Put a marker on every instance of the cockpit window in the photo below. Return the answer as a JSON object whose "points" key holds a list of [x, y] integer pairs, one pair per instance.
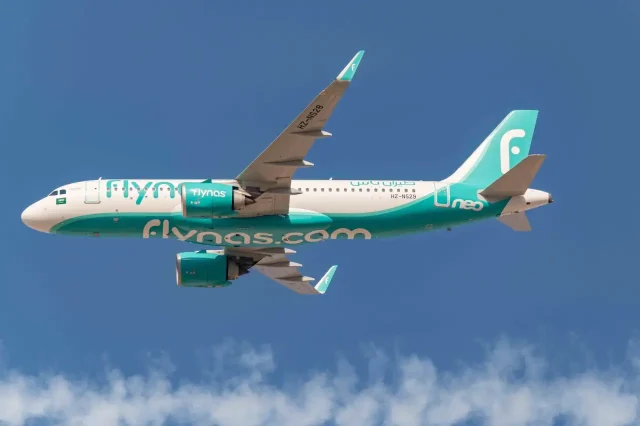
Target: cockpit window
{"points": [[58, 191]]}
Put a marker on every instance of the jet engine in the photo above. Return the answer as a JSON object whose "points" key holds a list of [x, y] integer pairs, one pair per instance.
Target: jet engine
{"points": [[207, 200], [207, 269]]}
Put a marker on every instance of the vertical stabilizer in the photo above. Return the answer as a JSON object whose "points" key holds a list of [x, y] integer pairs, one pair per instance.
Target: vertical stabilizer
{"points": [[504, 148]]}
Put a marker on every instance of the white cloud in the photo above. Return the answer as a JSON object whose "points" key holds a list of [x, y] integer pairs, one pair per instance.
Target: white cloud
{"points": [[511, 387]]}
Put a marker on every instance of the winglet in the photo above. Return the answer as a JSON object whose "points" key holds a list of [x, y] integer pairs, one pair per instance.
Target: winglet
{"points": [[350, 70], [323, 285]]}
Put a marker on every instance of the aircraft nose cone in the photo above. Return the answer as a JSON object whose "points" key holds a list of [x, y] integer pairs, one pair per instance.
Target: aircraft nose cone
{"points": [[35, 219], [550, 198], [28, 217]]}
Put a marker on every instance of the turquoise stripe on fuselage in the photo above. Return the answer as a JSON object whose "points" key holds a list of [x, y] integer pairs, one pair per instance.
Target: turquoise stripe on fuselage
{"points": [[294, 229]]}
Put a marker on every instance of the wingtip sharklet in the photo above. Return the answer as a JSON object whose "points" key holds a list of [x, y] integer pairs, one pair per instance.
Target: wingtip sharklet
{"points": [[350, 70], [323, 285]]}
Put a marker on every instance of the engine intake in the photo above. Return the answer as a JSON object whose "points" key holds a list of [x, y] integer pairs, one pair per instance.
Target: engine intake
{"points": [[206, 269], [207, 200]]}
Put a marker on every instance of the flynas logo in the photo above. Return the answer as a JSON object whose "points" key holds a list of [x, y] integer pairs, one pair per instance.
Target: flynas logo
{"points": [[467, 204], [506, 149], [208, 193], [140, 190], [154, 226]]}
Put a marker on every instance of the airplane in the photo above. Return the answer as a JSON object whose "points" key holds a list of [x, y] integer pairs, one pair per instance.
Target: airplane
{"points": [[255, 220]]}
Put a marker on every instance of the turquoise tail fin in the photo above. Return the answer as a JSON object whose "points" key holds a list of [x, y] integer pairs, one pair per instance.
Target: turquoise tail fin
{"points": [[505, 147]]}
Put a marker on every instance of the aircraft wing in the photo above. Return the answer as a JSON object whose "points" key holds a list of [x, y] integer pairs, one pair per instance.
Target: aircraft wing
{"points": [[274, 263], [268, 177]]}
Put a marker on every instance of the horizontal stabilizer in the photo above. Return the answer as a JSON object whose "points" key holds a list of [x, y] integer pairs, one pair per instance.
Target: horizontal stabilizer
{"points": [[517, 180], [516, 221]]}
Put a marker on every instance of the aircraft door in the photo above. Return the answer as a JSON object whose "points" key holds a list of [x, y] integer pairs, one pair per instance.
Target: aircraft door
{"points": [[92, 191], [441, 194]]}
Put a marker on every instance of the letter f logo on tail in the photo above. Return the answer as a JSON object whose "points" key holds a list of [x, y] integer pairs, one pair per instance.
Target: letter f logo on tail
{"points": [[505, 152], [503, 149]]}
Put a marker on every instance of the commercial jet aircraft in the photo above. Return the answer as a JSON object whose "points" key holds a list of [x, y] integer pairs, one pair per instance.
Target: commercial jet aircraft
{"points": [[256, 218]]}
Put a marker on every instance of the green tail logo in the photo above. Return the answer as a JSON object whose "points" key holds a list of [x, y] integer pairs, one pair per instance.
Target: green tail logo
{"points": [[505, 147]]}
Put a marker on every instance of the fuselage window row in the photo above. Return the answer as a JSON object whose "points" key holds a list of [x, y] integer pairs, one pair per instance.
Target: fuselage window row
{"points": [[353, 190], [115, 188]]}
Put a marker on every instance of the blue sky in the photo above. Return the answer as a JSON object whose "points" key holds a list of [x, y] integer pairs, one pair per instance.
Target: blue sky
{"points": [[198, 89]]}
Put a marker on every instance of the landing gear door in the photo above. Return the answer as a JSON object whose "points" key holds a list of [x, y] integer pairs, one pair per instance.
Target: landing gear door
{"points": [[92, 191], [441, 194]]}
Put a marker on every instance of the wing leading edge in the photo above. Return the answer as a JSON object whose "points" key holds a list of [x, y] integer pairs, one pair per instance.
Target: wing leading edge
{"points": [[268, 177]]}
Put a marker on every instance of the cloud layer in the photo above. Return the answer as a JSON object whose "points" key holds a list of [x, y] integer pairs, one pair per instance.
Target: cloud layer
{"points": [[512, 386]]}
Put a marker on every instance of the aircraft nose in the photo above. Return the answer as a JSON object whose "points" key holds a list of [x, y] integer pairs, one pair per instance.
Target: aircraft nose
{"points": [[28, 217], [35, 219]]}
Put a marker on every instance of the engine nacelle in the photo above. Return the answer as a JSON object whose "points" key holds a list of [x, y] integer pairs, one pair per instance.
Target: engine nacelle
{"points": [[204, 269], [206, 200]]}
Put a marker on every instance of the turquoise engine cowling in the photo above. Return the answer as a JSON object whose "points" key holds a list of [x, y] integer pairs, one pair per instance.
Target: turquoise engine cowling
{"points": [[205, 269], [207, 200]]}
